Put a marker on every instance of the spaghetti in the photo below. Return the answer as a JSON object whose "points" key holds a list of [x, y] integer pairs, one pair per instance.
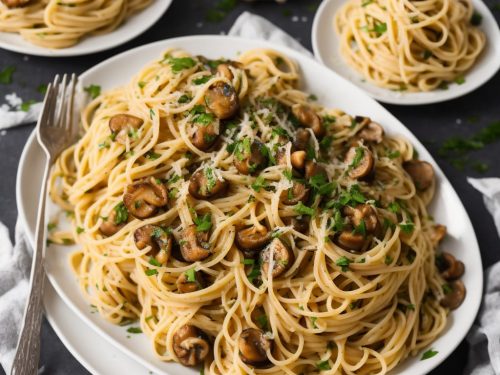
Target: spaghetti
{"points": [[62, 24], [409, 45], [250, 229]]}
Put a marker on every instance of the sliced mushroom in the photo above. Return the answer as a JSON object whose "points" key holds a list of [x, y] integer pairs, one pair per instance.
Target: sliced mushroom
{"points": [[202, 186], [15, 3], [123, 125], [156, 237], [222, 100], [450, 267], [253, 345], [194, 245], [143, 198], [109, 226], [205, 136], [252, 238], [350, 240], [438, 233], [454, 298], [362, 212], [297, 193], [252, 160], [373, 132], [298, 159], [279, 255], [314, 169], [280, 157], [225, 71], [184, 285], [302, 138], [191, 345], [308, 118], [360, 162], [299, 223], [420, 172]]}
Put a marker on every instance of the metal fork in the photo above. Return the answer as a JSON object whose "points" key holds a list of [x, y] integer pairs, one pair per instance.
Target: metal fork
{"points": [[57, 129]]}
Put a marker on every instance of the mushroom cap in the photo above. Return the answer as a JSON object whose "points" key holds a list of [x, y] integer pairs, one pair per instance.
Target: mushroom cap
{"points": [[308, 118], [314, 169], [302, 138], [205, 136], [281, 256], [122, 124], [143, 198], [298, 159], [185, 286], [191, 345], [109, 227], [438, 233], [222, 100], [159, 240], [349, 240], [372, 132], [362, 212], [194, 246], [455, 297], [421, 172], [253, 162], [253, 345], [297, 193], [299, 223], [252, 238], [200, 188], [365, 165], [450, 267]]}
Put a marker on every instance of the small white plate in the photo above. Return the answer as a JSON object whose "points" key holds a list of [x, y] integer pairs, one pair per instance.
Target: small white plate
{"points": [[131, 27], [84, 343], [446, 206], [326, 49]]}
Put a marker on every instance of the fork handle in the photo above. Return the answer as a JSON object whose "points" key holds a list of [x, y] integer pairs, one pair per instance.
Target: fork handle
{"points": [[28, 346]]}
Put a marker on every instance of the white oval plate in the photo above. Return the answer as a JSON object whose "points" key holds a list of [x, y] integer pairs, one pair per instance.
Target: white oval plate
{"points": [[132, 27], [446, 207], [326, 49], [85, 344]]}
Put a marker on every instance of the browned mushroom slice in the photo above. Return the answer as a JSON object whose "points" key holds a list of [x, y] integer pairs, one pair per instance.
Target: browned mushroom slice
{"points": [[123, 126], [203, 184], [222, 100], [373, 132], [299, 223], [438, 233], [365, 213], [420, 172], [308, 118], [143, 198], [249, 160], [298, 159], [350, 240], [454, 296], [280, 157], [15, 3], [314, 169], [360, 162], [191, 345], [194, 245], [205, 134], [297, 193], [110, 226], [279, 255], [190, 281], [302, 137], [225, 71], [252, 238], [253, 345], [156, 237], [450, 267]]}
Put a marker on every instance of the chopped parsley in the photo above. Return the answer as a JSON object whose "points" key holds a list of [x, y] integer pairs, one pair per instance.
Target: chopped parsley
{"points": [[407, 227], [343, 263], [203, 223], [323, 365], [178, 64], [42, 88], [121, 213], [447, 289], [359, 153], [80, 230], [248, 262], [259, 183], [93, 90], [151, 272], [476, 19], [262, 322], [184, 99], [326, 142], [314, 319], [25, 107], [388, 259], [190, 275], [460, 80], [429, 354], [134, 330], [6, 75], [154, 262], [202, 80], [302, 209]]}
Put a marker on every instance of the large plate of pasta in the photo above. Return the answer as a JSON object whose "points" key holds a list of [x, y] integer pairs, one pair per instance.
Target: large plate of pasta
{"points": [[222, 209], [74, 27]]}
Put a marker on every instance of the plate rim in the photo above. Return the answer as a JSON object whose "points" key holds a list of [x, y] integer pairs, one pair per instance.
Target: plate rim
{"points": [[34, 50], [409, 99], [295, 55]]}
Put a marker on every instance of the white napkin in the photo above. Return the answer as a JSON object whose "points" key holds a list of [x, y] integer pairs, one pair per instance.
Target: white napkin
{"points": [[11, 114], [15, 262], [484, 340]]}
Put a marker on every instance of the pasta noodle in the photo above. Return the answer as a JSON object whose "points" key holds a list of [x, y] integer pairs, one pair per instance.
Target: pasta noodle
{"points": [[261, 248], [62, 24], [409, 45]]}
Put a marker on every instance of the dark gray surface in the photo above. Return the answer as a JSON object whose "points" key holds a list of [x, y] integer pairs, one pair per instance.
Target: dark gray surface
{"points": [[431, 124]]}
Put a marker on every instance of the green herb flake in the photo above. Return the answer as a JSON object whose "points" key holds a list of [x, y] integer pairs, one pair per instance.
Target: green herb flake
{"points": [[203, 223], [460, 80], [429, 354], [202, 80], [302, 209], [121, 213], [323, 365], [343, 263], [407, 227], [51, 226], [151, 272], [154, 262], [6, 75], [25, 107], [190, 275], [259, 183], [184, 99], [447, 289], [134, 330], [42, 88], [93, 90], [80, 230], [476, 19], [178, 64]]}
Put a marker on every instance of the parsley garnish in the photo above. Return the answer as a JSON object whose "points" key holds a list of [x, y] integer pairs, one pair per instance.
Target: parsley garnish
{"points": [[476, 19], [25, 107], [184, 99], [323, 365], [80, 230], [406, 227], [302, 209], [151, 272], [259, 183], [154, 262], [6, 75], [429, 354], [343, 263], [180, 63], [203, 223], [121, 215], [93, 90], [262, 322], [190, 275], [202, 80], [134, 330]]}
